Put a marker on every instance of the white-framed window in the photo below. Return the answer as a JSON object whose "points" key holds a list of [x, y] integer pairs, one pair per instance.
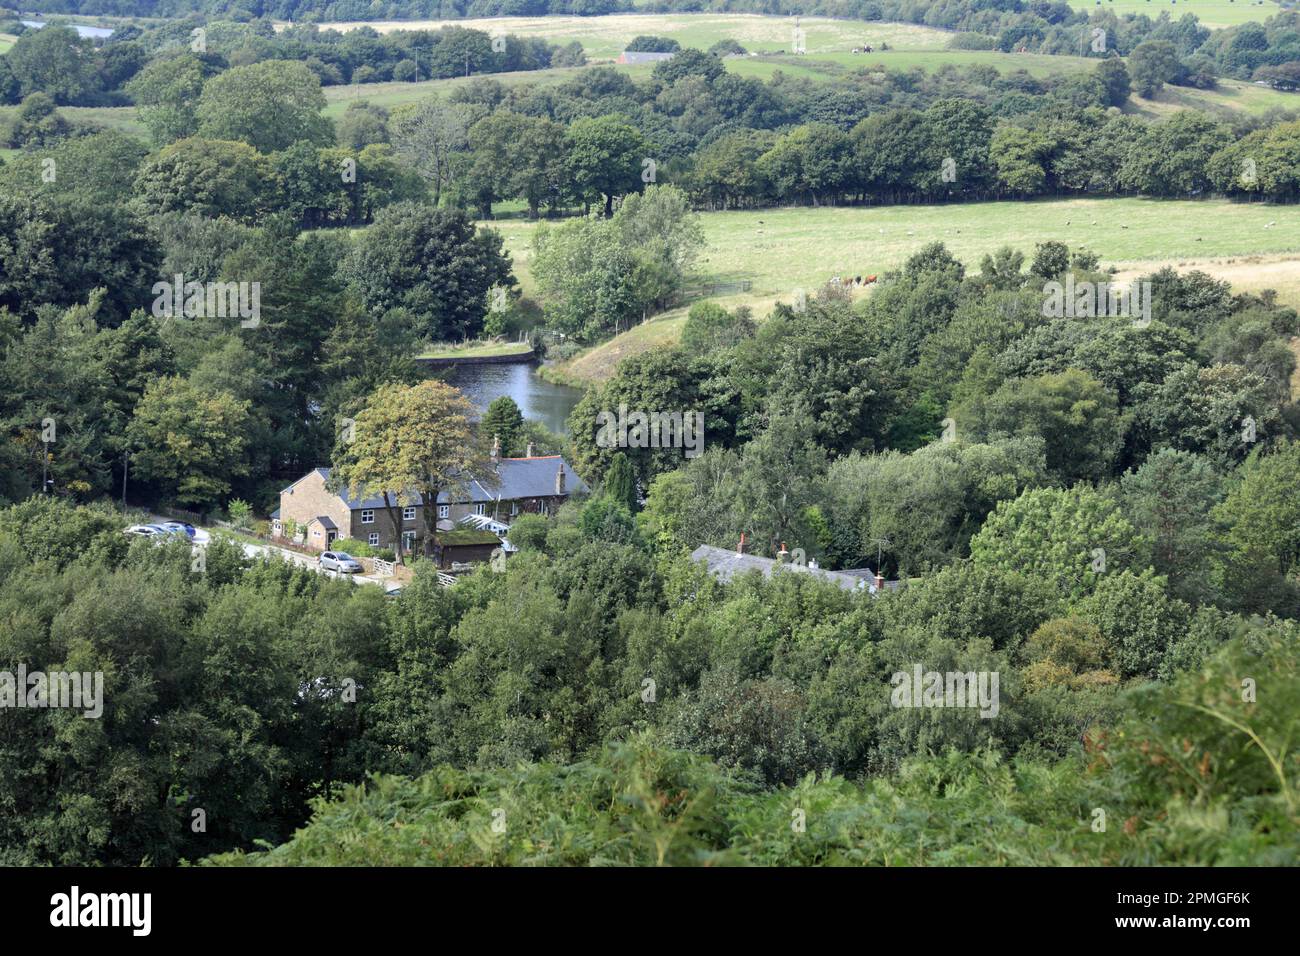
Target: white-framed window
{"points": [[514, 508], [367, 515], [408, 540], [480, 509], [373, 539], [444, 511], [408, 514]]}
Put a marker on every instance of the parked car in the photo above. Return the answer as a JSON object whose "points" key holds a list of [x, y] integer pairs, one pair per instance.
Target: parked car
{"points": [[155, 531], [339, 561], [179, 526]]}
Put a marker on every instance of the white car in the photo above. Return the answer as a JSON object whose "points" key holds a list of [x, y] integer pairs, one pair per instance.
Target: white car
{"points": [[339, 561]]}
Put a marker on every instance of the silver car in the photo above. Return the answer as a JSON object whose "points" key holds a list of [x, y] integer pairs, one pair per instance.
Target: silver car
{"points": [[339, 561]]}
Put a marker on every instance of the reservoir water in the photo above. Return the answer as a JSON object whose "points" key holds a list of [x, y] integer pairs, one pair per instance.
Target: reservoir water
{"points": [[98, 33], [539, 400]]}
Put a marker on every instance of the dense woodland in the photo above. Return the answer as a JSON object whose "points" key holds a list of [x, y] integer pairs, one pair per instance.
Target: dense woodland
{"points": [[1121, 682], [1103, 510]]}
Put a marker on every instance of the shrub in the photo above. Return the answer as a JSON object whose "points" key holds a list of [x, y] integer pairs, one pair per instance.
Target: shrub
{"points": [[240, 512]]}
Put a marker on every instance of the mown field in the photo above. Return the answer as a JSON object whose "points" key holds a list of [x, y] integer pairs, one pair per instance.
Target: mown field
{"points": [[781, 250], [1211, 13], [6, 41]]}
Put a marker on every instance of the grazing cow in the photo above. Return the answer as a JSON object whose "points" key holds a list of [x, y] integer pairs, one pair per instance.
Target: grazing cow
{"points": [[870, 279]]}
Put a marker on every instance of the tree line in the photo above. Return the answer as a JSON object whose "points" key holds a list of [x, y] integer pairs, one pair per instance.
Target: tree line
{"points": [[135, 64]]}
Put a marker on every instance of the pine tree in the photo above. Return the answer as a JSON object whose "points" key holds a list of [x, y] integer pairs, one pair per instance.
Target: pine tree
{"points": [[620, 484], [503, 420]]}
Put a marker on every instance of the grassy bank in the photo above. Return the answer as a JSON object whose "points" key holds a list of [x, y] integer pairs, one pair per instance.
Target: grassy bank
{"points": [[476, 350]]}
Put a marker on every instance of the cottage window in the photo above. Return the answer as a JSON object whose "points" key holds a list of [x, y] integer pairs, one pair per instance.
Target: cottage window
{"points": [[367, 516], [480, 509], [408, 514], [444, 511], [373, 539], [408, 540]]}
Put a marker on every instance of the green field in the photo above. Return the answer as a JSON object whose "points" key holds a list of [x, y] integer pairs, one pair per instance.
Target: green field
{"points": [[1211, 13], [606, 37], [6, 41], [395, 94], [782, 250], [1229, 96], [829, 57], [121, 118]]}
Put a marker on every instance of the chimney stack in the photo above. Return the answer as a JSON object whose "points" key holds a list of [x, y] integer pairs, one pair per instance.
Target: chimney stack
{"points": [[559, 480], [532, 451], [496, 449], [783, 555], [880, 581], [740, 548]]}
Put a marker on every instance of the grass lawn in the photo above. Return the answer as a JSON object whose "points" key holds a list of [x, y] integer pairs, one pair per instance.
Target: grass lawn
{"points": [[1211, 13], [476, 350], [782, 250], [6, 41]]}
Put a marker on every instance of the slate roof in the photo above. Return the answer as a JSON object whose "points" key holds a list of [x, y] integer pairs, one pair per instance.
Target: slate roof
{"points": [[726, 565], [518, 478], [326, 522]]}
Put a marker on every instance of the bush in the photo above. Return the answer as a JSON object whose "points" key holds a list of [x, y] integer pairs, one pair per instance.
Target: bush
{"points": [[528, 532], [358, 549], [648, 44], [727, 47], [240, 512]]}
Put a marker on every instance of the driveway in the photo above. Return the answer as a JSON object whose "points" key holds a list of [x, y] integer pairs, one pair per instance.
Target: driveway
{"points": [[203, 537], [307, 561]]}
